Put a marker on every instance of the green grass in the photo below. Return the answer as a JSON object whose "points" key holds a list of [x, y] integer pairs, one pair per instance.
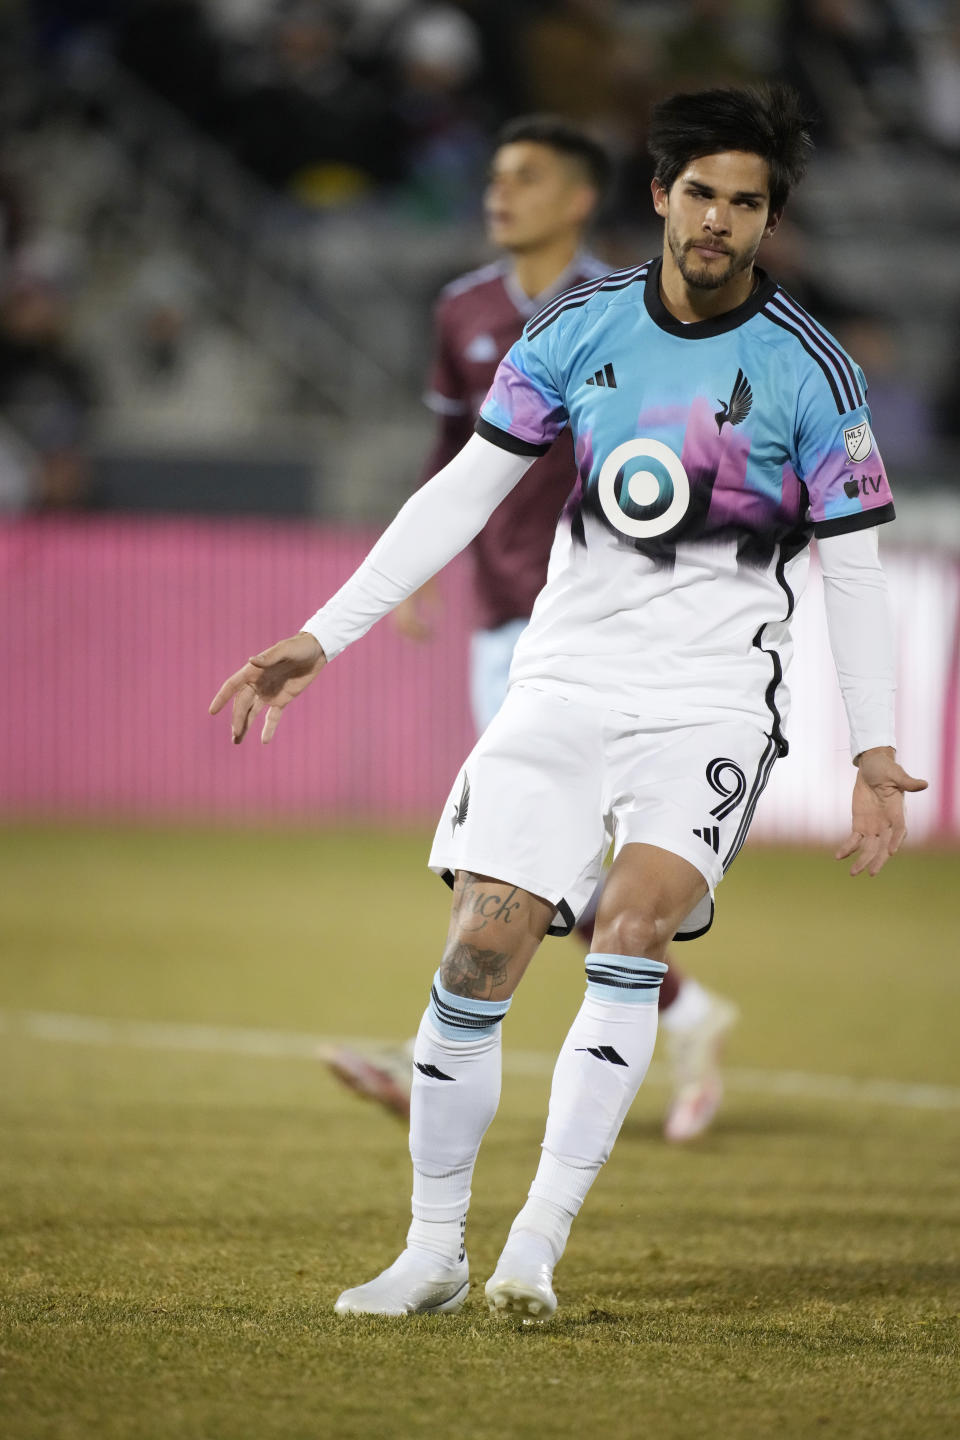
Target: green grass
{"points": [[174, 1227]]}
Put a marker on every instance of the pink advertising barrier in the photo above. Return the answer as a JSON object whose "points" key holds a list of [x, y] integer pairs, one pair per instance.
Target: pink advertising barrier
{"points": [[118, 631]]}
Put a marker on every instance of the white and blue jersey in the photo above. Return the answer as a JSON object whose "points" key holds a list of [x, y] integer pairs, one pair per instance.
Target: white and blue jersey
{"points": [[708, 454]]}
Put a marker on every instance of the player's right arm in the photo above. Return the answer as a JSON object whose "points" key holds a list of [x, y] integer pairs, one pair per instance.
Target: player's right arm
{"points": [[414, 616], [435, 524], [519, 421], [448, 398], [269, 681]]}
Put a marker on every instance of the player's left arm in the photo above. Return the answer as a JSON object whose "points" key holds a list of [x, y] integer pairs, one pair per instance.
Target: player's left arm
{"points": [[839, 462], [861, 638]]}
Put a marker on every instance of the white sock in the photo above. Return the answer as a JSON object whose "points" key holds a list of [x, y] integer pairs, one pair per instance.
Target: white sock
{"points": [[599, 1070], [692, 1005], [453, 1098], [542, 1227]]}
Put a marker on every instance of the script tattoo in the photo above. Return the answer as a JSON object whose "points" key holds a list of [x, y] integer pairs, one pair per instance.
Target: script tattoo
{"points": [[479, 906]]}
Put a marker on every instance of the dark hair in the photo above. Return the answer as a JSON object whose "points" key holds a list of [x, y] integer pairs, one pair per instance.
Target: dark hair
{"points": [[764, 120], [564, 137]]}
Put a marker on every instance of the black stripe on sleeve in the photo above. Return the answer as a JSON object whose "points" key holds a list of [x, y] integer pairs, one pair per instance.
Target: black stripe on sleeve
{"points": [[575, 299], [559, 302], [789, 306], [860, 520], [506, 441], [842, 409]]}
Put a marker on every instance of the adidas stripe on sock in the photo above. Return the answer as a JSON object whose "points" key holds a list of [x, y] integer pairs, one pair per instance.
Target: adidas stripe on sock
{"points": [[599, 1070]]}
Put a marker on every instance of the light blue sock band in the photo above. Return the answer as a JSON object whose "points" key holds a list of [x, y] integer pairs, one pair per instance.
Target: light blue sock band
{"points": [[458, 1017], [625, 978]]}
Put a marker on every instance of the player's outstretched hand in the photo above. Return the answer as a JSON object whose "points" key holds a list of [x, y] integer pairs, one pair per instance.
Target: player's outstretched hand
{"points": [[269, 681], [878, 828]]}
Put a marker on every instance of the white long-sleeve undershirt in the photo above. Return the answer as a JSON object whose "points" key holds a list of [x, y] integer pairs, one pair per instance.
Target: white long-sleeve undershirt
{"points": [[443, 516], [860, 627], [436, 523]]}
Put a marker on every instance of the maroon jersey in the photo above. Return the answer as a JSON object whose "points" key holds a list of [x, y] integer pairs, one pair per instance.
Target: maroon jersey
{"points": [[477, 319]]}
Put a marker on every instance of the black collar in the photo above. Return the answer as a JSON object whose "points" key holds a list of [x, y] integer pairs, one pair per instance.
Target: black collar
{"points": [[703, 329]]}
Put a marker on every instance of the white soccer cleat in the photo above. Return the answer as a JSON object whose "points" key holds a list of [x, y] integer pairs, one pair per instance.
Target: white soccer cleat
{"points": [[694, 1057], [417, 1283], [522, 1283]]}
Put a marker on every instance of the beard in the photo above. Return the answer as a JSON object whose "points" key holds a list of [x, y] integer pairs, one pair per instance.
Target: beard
{"points": [[697, 275]]}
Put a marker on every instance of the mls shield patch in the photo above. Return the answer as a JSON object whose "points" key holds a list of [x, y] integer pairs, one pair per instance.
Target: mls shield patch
{"points": [[859, 441]]}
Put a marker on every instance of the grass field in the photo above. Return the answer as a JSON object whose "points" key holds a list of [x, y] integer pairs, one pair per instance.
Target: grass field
{"points": [[176, 1222]]}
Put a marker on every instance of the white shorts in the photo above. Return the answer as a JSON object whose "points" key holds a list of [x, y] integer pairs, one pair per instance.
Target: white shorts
{"points": [[551, 783]]}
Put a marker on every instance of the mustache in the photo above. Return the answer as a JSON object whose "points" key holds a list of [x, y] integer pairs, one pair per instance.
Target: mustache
{"points": [[704, 245]]}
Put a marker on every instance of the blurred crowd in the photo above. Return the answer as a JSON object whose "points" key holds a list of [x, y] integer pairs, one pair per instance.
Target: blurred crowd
{"points": [[331, 97], [385, 109]]}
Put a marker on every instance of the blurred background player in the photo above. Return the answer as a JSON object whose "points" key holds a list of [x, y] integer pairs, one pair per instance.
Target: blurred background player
{"points": [[546, 182]]}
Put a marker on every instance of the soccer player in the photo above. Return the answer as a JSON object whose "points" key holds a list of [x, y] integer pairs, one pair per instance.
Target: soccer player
{"points": [[547, 177], [648, 695]]}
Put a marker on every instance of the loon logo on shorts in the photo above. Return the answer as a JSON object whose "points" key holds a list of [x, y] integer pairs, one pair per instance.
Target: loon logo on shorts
{"points": [[463, 804]]}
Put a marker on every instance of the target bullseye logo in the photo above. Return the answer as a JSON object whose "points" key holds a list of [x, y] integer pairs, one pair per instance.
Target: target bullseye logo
{"points": [[665, 498]]}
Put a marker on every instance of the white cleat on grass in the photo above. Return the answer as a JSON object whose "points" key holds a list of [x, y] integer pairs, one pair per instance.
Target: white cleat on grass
{"points": [[694, 1056], [522, 1283], [417, 1283]]}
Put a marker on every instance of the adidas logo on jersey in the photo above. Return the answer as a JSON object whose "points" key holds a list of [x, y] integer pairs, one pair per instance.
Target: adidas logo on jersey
{"points": [[604, 378]]}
